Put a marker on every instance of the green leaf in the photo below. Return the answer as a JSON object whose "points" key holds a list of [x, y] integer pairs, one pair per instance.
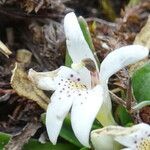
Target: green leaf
{"points": [[107, 8], [67, 133], [68, 60], [132, 3], [141, 83], [4, 138], [123, 116], [86, 33], [35, 145]]}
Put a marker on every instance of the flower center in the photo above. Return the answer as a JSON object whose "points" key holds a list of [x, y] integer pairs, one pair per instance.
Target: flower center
{"points": [[76, 85], [144, 144]]}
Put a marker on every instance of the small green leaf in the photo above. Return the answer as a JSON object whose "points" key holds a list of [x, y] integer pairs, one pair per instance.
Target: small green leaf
{"points": [[86, 33], [67, 133], [133, 3], [35, 145], [68, 60], [141, 83], [107, 8], [4, 138], [123, 116]]}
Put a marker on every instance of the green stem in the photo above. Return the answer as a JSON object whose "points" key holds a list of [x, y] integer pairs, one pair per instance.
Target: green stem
{"points": [[106, 119], [141, 105]]}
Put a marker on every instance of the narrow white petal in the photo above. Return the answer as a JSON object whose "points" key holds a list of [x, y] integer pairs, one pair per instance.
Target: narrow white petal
{"points": [[76, 44], [49, 80], [56, 113], [43, 80], [84, 110], [121, 58]]}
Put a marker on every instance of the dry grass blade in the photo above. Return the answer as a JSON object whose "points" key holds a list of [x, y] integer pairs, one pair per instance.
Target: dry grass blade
{"points": [[4, 49]]}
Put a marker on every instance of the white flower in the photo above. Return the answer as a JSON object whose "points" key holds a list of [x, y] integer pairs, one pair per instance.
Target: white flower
{"points": [[69, 93], [73, 89], [136, 137]]}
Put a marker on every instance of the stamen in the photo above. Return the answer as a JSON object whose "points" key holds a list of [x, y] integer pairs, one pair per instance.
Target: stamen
{"points": [[89, 64], [144, 144]]}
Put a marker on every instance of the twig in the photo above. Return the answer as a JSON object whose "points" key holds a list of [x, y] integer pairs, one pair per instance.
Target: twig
{"points": [[117, 99], [4, 97], [129, 96], [8, 91], [101, 21], [21, 15], [17, 141]]}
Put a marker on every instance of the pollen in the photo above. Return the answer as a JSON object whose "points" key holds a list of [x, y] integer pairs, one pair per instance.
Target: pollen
{"points": [[144, 144], [77, 85]]}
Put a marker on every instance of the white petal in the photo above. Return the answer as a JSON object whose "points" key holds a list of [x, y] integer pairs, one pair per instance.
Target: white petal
{"points": [[121, 58], [84, 111], [103, 139], [50, 80], [76, 44], [133, 135], [43, 80], [56, 113], [127, 136]]}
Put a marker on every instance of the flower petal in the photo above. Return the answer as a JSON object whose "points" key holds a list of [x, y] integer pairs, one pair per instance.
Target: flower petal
{"points": [[76, 44], [102, 139], [61, 102], [134, 135], [121, 58], [101, 142], [56, 113], [131, 137], [50, 80], [84, 110]]}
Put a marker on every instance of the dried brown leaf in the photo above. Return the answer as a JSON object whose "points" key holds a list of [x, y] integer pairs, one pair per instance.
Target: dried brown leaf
{"points": [[142, 38], [24, 87]]}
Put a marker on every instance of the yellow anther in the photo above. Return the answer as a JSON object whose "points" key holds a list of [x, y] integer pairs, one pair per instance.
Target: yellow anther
{"points": [[77, 85], [144, 144]]}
